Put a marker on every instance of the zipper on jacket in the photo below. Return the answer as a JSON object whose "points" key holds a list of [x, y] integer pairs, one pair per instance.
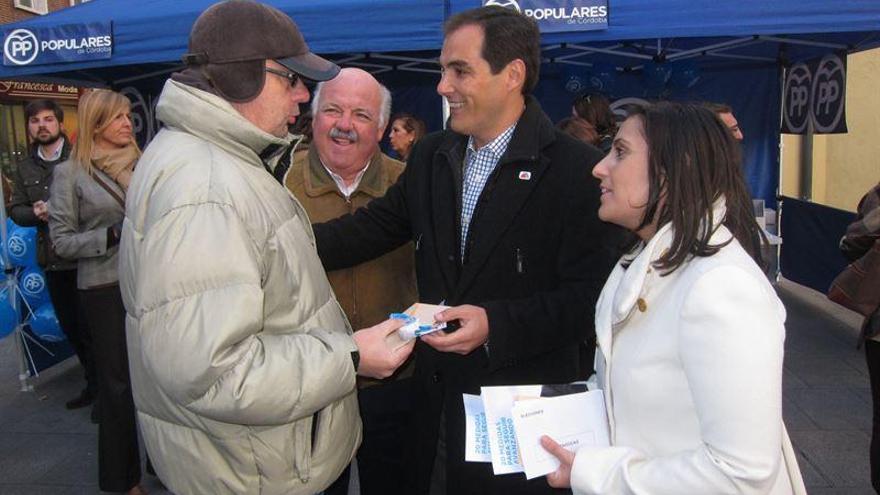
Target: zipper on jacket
{"points": [[302, 457], [315, 418], [519, 262], [418, 242]]}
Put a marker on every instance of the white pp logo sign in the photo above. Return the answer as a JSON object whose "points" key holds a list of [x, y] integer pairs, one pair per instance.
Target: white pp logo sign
{"points": [[38, 45], [815, 92], [33, 284], [559, 16], [798, 84], [21, 47], [829, 94], [511, 4], [17, 246]]}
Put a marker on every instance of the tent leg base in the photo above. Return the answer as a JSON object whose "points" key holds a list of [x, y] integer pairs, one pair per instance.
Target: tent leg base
{"points": [[25, 385]]}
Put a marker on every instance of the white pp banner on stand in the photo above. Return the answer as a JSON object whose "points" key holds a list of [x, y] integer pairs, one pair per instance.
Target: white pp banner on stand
{"points": [[560, 16]]}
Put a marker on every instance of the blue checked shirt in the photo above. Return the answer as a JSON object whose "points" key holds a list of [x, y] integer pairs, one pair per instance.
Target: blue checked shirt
{"points": [[478, 166]]}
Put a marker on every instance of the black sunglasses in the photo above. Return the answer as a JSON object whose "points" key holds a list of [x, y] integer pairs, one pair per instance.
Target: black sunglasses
{"points": [[291, 77]]}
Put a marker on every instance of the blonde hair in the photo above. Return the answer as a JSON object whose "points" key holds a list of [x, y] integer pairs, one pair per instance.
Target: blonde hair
{"points": [[97, 109]]}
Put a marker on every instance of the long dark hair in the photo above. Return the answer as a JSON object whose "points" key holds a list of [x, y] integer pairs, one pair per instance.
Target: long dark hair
{"points": [[693, 162], [579, 128], [596, 109]]}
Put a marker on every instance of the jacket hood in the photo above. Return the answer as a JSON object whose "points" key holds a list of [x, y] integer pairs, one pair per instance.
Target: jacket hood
{"points": [[213, 119]]}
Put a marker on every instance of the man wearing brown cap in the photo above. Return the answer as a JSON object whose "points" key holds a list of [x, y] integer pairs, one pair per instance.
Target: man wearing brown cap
{"points": [[243, 364]]}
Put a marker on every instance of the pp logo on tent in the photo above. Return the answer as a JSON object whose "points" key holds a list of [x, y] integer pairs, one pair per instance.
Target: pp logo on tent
{"points": [[510, 4], [21, 47], [815, 92], [797, 98], [829, 94]]}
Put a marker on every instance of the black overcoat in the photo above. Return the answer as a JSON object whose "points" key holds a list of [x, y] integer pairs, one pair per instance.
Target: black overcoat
{"points": [[536, 259]]}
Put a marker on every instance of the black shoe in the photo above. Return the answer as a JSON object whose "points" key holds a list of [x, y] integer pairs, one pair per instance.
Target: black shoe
{"points": [[85, 399]]}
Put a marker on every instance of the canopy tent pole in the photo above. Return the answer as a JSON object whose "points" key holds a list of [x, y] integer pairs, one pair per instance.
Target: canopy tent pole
{"points": [[607, 51], [797, 41]]}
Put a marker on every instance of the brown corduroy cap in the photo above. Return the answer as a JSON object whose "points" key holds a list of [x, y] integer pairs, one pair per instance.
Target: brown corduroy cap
{"points": [[231, 40]]}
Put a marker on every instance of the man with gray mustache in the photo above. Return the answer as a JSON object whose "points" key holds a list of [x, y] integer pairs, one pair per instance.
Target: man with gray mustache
{"points": [[342, 170]]}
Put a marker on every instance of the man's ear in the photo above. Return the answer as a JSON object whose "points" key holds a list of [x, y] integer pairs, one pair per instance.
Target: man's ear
{"points": [[381, 132], [516, 75]]}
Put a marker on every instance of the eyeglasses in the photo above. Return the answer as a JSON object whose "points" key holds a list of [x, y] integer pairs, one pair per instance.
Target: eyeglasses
{"points": [[291, 77]]}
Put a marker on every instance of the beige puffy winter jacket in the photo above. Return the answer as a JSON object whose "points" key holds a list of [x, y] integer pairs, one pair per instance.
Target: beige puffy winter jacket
{"points": [[240, 355]]}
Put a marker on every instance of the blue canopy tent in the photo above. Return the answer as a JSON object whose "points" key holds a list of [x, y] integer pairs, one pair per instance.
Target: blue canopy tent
{"points": [[150, 32], [734, 45], [733, 52]]}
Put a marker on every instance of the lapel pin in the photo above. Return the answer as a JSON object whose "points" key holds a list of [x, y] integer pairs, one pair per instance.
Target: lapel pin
{"points": [[525, 175]]}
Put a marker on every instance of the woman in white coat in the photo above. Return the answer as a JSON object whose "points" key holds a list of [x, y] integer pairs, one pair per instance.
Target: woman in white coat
{"points": [[690, 332]]}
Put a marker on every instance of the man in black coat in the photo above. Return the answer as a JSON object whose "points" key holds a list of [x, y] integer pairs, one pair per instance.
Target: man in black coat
{"points": [[29, 207], [503, 213]]}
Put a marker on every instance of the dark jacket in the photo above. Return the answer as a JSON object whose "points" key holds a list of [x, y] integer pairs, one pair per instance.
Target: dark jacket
{"points": [[536, 259], [860, 237], [32, 180]]}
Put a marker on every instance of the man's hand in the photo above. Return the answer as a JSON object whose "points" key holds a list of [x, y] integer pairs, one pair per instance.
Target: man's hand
{"points": [[473, 333], [561, 478], [378, 359], [41, 210]]}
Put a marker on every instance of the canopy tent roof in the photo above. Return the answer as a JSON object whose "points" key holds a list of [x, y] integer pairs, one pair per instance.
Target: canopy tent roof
{"points": [[149, 32], [405, 34]]}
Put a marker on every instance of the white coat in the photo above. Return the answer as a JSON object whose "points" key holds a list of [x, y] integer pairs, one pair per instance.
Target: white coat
{"points": [[691, 367]]}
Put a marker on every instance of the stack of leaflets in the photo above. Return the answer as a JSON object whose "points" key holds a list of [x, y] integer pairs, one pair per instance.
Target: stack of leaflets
{"points": [[504, 425]]}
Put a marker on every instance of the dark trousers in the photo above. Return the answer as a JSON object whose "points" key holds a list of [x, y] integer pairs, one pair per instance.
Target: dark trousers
{"points": [[872, 356], [119, 464], [65, 299], [386, 412]]}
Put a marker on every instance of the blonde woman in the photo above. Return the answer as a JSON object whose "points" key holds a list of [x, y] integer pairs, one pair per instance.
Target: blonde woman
{"points": [[88, 203]]}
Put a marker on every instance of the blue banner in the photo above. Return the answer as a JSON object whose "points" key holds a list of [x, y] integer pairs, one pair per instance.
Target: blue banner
{"points": [[49, 45], [560, 16], [810, 251]]}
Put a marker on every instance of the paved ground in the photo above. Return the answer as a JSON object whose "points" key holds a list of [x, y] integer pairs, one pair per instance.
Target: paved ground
{"points": [[45, 449]]}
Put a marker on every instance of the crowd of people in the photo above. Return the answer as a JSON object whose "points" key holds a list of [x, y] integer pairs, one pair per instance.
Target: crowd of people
{"points": [[228, 289]]}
